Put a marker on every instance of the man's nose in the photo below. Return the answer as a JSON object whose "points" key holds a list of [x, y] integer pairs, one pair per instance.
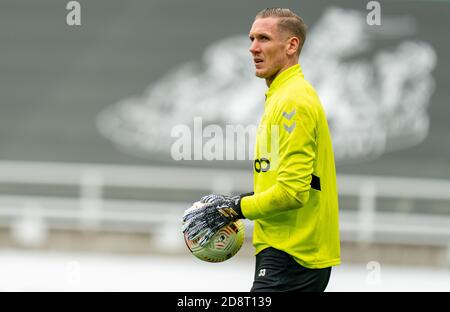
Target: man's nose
{"points": [[254, 47]]}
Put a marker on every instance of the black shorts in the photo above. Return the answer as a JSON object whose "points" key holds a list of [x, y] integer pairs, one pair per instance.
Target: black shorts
{"points": [[276, 270]]}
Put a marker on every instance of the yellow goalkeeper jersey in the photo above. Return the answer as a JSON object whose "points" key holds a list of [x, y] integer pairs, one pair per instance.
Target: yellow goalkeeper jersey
{"points": [[295, 205]]}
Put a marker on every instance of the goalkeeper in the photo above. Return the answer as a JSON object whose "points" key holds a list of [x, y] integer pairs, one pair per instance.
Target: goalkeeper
{"points": [[295, 203]]}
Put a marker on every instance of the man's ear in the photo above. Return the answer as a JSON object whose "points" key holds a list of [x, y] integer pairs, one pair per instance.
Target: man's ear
{"points": [[293, 45]]}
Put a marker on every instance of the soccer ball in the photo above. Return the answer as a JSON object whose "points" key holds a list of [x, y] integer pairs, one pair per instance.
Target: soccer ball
{"points": [[222, 246]]}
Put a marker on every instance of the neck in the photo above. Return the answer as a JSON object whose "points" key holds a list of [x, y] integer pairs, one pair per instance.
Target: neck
{"points": [[290, 63]]}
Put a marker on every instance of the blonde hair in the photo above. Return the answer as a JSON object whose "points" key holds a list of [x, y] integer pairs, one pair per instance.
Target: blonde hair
{"points": [[288, 22]]}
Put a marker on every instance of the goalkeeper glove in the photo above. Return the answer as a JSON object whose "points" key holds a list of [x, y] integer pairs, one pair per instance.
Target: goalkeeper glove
{"points": [[210, 214]]}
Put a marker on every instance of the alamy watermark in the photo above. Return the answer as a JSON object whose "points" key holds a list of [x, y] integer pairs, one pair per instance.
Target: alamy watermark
{"points": [[73, 18], [374, 275], [73, 273], [215, 142], [374, 16]]}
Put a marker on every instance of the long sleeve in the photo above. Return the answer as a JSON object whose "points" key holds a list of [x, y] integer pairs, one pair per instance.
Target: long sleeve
{"points": [[293, 163]]}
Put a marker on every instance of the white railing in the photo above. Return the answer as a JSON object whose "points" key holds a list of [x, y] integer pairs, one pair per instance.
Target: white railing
{"points": [[92, 211]]}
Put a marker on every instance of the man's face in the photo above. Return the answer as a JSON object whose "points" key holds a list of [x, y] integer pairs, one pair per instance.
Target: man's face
{"points": [[268, 47]]}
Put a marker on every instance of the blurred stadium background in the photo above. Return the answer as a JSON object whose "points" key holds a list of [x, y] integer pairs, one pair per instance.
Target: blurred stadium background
{"points": [[90, 198]]}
